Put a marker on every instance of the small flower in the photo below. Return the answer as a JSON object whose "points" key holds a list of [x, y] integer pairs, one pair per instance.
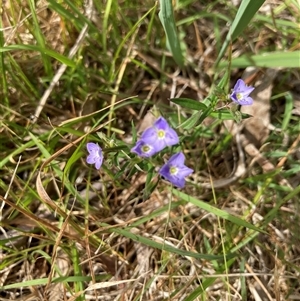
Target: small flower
{"points": [[240, 93], [160, 135], [95, 154], [144, 149], [155, 138], [175, 171]]}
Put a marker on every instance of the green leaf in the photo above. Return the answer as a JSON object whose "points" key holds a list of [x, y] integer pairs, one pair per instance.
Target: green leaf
{"points": [[43, 281], [118, 148], [166, 16], [206, 113], [129, 34], [76, 155], [192, 121], [267, 60], [189, 103], [196, 119], [216, 211], [46, 51], [246, 11], [165, 246], [289, 104], [40, 38], [224, 114], [150, 184]]}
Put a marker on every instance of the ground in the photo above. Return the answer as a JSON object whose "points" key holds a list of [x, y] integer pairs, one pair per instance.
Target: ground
{"points": [[103, 72]]}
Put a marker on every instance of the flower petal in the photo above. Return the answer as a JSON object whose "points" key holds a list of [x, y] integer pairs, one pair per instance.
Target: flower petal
{"points": [[179, 182], [234, 97], [177, 159], [92, 147], [98, 163], [161, 124], [138, 149], [171, 137], [185, 171], [91, 159], [175, 180], [95, 154], [239, 86], [182, 171], [240, 93], [165, 171], [248, 90], [149, 135], [246, 101]]}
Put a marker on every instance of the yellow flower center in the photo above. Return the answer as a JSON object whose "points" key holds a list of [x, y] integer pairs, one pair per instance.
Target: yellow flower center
{"points": [[239, 96], [161, 134], [173, 170], [145, 148]]}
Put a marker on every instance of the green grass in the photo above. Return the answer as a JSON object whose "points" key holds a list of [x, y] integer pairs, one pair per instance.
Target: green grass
{"points": [[70, 232]]}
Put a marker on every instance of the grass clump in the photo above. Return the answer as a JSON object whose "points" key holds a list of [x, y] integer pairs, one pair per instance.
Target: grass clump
{"points": [[103, 73]]}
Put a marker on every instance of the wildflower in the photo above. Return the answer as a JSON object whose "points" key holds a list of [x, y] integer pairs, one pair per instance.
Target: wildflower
{"points": [[95, 154], [160, 135], [175, 171], [144, 149], [155, 138], [240, 93]]}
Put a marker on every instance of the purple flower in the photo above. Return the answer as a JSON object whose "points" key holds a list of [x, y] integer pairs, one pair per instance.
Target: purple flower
{"points": [[240, 93], [175, 171], [155, 138], [95, 154], [160, 134], [144, 149]]}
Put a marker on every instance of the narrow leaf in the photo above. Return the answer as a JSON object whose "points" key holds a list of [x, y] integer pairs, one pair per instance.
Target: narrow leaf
{"points": [[216, 211], [165, 246], [246, 11], [166, 16], [46, 51], [267, 60], [189, 103], [192, 121]]}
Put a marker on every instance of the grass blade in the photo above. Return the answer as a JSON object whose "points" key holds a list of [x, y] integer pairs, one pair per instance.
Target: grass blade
{"points": [[166, 16], [216, 211], [245, 13], [42, 50], [267, 60]]}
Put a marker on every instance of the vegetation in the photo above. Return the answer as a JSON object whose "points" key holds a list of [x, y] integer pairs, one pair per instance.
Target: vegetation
{"points": [[102, 72]]}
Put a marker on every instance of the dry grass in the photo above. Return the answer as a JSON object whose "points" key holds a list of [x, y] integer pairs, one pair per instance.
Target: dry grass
{"points": [[95, 230]]}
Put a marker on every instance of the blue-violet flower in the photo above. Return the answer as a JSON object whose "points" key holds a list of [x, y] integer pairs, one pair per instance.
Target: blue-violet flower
{"points": [[144, 149], [160, 135], [240, 93], [95, 154], [155, 138], [175, 171]]}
